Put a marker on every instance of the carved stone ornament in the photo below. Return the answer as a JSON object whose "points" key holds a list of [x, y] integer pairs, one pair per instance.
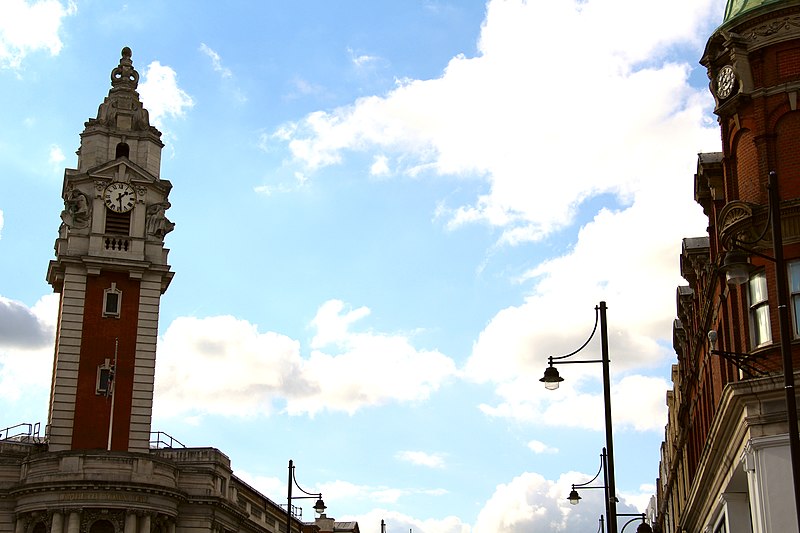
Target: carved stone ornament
{"points": [[765, 31], [77, 213], [122, 109], [114, 516], [735, 221], [158, 225], [734, 212]]}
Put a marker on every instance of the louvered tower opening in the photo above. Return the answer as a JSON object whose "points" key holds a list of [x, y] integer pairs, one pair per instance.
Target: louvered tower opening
{"points": [[118, 223]]}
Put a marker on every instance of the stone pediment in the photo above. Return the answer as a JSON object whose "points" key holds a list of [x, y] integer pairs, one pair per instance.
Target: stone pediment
{"points": [[123, 169]]}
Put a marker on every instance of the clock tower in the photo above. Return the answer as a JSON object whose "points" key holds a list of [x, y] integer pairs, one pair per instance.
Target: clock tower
{"points": [[110, 271]]}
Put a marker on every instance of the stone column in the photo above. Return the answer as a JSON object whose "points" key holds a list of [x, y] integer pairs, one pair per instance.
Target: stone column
{"points": [[19, 527], [130, 523], [74, 522], [58, 523], [144, 524]]}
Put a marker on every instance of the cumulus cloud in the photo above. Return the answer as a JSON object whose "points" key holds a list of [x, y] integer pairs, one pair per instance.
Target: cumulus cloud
{"points": [[27, 27], [461, 122], [529, 502], [225, 365], [26, 346], [23, 327], [161, 95], [610, 114], [637, 402]]}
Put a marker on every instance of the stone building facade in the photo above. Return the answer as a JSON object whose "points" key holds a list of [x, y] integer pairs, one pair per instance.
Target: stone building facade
{"points": [[98, 468], [725, 461]]}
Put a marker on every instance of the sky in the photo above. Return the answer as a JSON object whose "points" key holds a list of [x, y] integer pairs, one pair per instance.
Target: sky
{"points": [[388, 215]]}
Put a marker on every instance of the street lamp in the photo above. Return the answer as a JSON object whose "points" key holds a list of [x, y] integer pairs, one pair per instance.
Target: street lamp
{"points": [[319, 506], [575, 498], [736, 272], [551, 380], [644, 527]]}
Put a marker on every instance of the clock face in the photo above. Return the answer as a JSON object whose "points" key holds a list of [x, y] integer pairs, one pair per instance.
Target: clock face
{"points": [[119, 197], [726, 81]]}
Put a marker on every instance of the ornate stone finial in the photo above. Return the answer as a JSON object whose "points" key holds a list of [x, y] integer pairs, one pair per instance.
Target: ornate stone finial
{"points": [[125, 76], [122, 109]]}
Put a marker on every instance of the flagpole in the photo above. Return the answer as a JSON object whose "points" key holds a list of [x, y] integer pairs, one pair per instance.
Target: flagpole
{"points": [[111, 391]]}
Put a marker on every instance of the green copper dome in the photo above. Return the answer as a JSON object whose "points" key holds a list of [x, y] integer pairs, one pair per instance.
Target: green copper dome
{"points": [[739, 7]]}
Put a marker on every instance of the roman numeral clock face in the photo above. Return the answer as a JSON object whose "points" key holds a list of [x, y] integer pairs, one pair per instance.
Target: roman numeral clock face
{"points": [[119, 197]]}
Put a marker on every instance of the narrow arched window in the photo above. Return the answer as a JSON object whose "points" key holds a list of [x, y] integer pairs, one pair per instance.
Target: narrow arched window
{"points": [[123, 150]]}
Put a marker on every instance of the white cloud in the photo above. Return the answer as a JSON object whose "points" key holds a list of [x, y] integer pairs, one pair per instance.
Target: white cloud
{"points": [[620, 116], [431, 460], [216, 61], [380, 166], [400, 522], [540, 447], [637, 402], [225, 365], [529, 502], [56, 156], [27, 27], [161, 95], [361, 60], [26, 348], [338, 494], [610, 113]]}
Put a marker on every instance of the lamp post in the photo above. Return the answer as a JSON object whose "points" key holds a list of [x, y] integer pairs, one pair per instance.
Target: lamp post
{"points": [[575, 498], [736, 273], [319, 506], [600, 525], [551, 380]]}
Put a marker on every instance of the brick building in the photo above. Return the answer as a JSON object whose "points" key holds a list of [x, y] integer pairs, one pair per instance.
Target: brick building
{"points": [[98, 468], [725, 461]]}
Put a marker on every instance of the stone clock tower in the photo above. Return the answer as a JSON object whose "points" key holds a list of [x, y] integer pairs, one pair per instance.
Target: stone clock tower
{"points": [[97, 470], [110, 270]]}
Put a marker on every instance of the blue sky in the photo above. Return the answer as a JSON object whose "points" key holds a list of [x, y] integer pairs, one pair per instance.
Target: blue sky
{"points": [[388, 214]]}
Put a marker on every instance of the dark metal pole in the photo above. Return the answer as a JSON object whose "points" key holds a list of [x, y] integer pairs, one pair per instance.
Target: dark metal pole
{"points": [[289, 499], [612, 488], [786, 335], [604, 464]]}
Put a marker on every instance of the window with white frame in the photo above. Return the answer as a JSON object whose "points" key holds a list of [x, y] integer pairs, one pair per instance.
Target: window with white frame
{"points": [[794, 290], [759, 309], [105, 378], [112, 300]]}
